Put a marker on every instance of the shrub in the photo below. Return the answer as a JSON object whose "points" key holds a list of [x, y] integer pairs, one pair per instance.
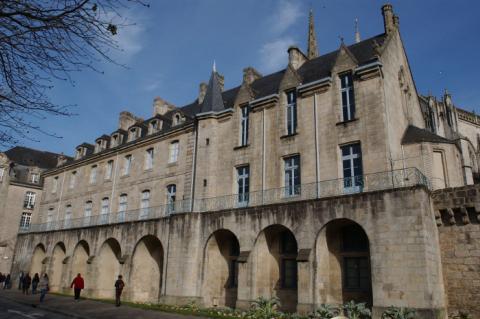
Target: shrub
{"points": [[398, 313], [354, 310], [325, 311], [461, 315], [264, 308]]}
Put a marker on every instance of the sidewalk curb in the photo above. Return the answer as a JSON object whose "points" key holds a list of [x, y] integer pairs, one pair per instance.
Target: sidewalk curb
{"points": [[41, 306]]}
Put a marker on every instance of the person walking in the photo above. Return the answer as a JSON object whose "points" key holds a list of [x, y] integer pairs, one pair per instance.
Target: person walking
{"points": [[27, 281], [20, 281], [119, 284], [35, 282], [77, 285], [7, 283], [43, 286]]}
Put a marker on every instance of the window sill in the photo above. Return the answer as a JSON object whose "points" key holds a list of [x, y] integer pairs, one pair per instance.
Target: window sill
{"points": [[172, 164], [125, 176], [239, 147], [147, 170], [289, 135], [344, 123]]}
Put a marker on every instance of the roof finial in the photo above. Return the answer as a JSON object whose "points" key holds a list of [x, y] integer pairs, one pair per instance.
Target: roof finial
{"points": [[357, 31], [214, 69], [312, 41]]}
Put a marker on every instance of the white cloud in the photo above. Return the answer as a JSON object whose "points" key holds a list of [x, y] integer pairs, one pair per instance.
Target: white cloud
{"points": [[284, 16], [129, 40], [273, 55], [152, 86]]}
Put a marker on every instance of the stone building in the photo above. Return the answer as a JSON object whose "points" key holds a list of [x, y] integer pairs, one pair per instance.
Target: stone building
{"points": [[20, 192], [313, 184]]}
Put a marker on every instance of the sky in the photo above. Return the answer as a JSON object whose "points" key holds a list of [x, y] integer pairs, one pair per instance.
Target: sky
{"points": [[172, 45]]}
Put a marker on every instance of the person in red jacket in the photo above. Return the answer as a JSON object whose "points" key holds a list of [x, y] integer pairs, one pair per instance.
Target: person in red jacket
{"points": [[77, 285]]}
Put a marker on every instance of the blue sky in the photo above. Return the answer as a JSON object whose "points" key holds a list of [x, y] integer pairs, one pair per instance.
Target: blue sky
{"points": [[171, 49]]}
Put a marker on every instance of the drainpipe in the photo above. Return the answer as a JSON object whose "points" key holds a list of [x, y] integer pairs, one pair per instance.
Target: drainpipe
{"points": [[113, 184], [317, 155], [263, 153], [61, 195], [194, 167]]}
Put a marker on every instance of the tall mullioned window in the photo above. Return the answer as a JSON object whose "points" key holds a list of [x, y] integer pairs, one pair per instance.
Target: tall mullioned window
{"points": [[73, 177], [29, 201], [243, 181], [109, 170], [244, 126], [145, 204], [171, 197], [291, 112], [352, 167], [55, 184], [149, 158], [127, 164], [292, 175], [122, 207], [87, 213], [173, 152], [25, 220], [68, 216], [105, 209], [93, 174], [348, 97], [35, 178]]}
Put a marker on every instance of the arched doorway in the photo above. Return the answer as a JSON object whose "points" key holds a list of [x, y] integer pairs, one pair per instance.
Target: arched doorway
{"points": [[343, 263], [275, 266], [146, 271], [79, 262], [107, 268], [220, 279], [56, 270], [36, 265]]}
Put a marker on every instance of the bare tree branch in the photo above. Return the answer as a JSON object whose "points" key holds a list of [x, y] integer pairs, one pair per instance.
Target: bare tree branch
{"points": [[44, 40]]}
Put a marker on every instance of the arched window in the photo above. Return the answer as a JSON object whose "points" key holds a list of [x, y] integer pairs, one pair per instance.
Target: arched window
{"points": [[104, 210]]}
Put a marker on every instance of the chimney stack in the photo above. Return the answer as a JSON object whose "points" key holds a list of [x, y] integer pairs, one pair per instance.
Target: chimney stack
{"points": [[202, 92], [389, 19], [160, 106], [250, 75], [126, 119]]}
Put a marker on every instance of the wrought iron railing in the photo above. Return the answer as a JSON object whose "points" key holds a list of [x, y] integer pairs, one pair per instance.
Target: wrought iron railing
{"points": [[344, 186]]}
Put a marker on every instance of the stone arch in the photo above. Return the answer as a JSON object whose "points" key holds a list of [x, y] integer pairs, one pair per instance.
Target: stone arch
{"points": [[107, 268], [274, 266], [146, 270], [37, 261], [220, 273], [342, 256], [57, 267], [80, 256]]}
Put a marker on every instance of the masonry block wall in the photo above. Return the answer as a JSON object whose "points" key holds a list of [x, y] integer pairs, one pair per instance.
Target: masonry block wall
{"points": [[457, 213], [182, 258]]}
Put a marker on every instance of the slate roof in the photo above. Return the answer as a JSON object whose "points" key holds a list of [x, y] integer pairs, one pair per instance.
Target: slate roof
{"points": [[213, 101], [312, 70], [415, 134], [31, 157]]}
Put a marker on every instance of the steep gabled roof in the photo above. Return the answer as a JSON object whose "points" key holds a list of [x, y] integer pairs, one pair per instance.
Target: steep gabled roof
{"points": [[31, 157]]}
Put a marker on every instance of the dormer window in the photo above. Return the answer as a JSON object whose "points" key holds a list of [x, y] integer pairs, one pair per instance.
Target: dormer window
{"points": [[177, 119], [100, 145], [116, 139], [134, 133], [81, 152], [154, 126]]}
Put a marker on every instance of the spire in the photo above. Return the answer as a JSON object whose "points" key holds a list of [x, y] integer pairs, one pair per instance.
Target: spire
{"points": [[214, 68], [213, 101], [357, 31], [312, 41]]}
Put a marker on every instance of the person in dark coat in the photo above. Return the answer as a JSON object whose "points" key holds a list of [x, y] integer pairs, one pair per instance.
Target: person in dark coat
{"points": [[27, 281], [35, 282], [77, 284], [20, 281], [119, 284], [7, 284]]}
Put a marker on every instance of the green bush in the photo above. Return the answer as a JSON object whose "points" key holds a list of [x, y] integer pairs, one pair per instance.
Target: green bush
{"points": [[324, 311], [354, 310], [264, 308], [399, 313]]}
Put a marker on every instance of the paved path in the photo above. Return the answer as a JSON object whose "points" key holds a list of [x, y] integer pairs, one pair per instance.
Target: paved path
{"points": [[60, 307]]}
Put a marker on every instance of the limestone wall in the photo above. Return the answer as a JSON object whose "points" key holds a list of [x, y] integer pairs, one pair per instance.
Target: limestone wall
{"points": [[457, 211], [172, 253]]}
